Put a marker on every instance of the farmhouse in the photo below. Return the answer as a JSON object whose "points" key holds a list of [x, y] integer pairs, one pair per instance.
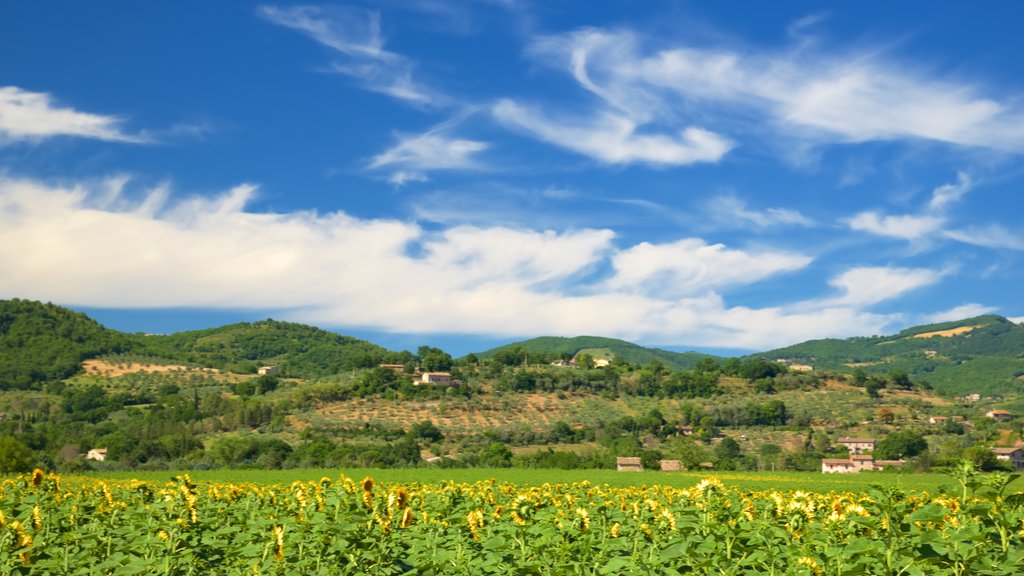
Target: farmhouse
{"points": [[1000, 415], [628, 464], [268, 370], [435, 378], [937, 419], [857, 445], [97, 454], [1014, 456], [397, 368], [855, 464]]}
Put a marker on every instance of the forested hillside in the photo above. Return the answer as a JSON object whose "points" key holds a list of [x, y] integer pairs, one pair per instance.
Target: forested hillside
{"points": [[299, 350], [555, 347], [43, 342], [984, 354]]}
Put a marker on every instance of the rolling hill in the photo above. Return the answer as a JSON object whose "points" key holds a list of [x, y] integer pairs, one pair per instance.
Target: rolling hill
{"points": [[43, 342], [599, 347], [299, 350], [984, 354]]}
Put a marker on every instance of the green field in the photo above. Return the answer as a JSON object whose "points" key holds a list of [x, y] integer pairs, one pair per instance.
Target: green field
{"points": [[783, 481]]}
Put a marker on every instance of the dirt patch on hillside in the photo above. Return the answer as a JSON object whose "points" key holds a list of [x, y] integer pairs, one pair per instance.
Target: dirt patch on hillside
{"points": [[947, 333], [104, 368], [860, 364]]}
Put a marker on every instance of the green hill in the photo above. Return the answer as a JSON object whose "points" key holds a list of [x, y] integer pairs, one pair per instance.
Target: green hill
{"points": [[299, 350], [43, 342], [598, 347], [984, 354]]}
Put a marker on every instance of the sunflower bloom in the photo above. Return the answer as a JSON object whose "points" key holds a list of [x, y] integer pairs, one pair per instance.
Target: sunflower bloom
{"points": [[279, 541]]}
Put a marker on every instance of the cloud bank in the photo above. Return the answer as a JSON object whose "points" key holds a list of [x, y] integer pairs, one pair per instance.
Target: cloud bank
{"points": [[93, 244]]}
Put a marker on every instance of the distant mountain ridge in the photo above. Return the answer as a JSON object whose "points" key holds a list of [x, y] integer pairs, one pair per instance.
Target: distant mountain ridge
{"points": [[43, 342], [599, 347], [984, 354]]}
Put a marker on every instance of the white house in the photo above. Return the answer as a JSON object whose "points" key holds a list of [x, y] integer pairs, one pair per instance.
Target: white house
{"points": [[1014, 456], [857, 445], [435, 378], [97, 454]]}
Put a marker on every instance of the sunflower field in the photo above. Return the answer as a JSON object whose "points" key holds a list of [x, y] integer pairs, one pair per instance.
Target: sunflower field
{"points": [[54, 525]]}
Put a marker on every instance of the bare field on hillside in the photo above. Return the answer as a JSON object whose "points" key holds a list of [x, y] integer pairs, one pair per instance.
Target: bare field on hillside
{"points": [[536, 411], [947, 333], [104, 369]]}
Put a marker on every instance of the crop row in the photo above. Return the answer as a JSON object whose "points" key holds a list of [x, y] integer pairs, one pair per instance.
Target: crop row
{"points": [[54, 525]]}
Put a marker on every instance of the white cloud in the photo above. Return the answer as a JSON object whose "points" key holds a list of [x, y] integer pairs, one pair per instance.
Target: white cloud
{"points": [[615, 139], [94, 244], [959, 313], [991, 236], [869, 285], [402, 177], [691, 266], [33, 116], [906, 227], [1018, 319], [806, 92], [732, 212], [433, 150], [948, 193], [355, 34]]}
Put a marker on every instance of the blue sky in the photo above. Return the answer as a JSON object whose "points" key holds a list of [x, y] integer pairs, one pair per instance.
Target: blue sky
{"points": [[728, 176]]}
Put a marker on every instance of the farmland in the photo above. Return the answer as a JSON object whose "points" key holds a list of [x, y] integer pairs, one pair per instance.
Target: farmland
{"points": [[342, 524], [806, 481]]}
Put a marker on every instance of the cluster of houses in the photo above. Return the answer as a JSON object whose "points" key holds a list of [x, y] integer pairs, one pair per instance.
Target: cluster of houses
{"points": [[633, 464], [859, 459]]}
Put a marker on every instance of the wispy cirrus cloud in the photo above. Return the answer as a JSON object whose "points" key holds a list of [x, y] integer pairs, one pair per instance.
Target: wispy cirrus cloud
{"points": [[613, 138], [32, 116], [801, 91], [936, 222], [905, 227], [990, 236], [416, 154], [730, 211], [355, 35], [959, 313]]}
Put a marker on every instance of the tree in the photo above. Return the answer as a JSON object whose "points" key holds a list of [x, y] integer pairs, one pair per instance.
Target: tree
{"points": [[14, 456], [585, 361], [651, 459], [769, 453], [727, 450], [434, 359], [899, 445], [900, 380], [426, 430], [496, 455], [684, 449], [872, 386], [886, 416]]}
